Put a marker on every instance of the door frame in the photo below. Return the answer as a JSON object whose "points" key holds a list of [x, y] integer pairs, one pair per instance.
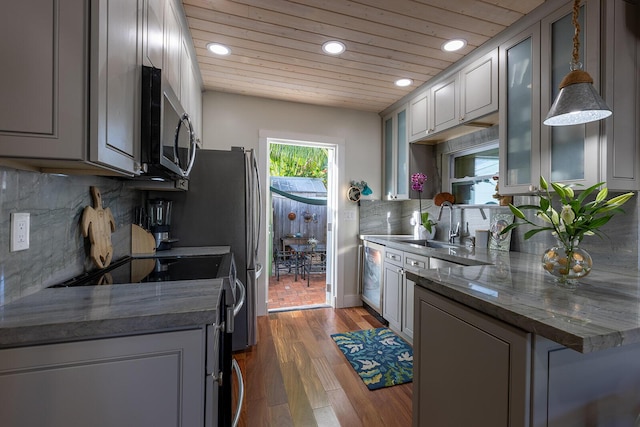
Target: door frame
{"points": [[335, 275]]}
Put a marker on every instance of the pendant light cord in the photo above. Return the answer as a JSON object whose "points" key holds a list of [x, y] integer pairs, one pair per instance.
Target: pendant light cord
{"points": [[575, 63]]}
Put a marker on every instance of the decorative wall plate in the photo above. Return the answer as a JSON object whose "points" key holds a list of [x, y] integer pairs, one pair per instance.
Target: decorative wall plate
{"points": [[353, 194], [499, 222]]}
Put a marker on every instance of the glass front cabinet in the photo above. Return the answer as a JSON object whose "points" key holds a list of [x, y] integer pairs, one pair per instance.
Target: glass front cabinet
{"points": [[396, 155], [568, 154]]}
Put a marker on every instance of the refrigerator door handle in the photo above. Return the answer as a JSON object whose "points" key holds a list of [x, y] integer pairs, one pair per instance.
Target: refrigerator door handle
{"points": [[258, 270], [259, 195], [243, 294]]}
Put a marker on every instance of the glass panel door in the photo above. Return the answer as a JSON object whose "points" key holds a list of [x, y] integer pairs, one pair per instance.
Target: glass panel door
{"points": [[402, 165], [520, 112], [389, 188], [567, 142]]}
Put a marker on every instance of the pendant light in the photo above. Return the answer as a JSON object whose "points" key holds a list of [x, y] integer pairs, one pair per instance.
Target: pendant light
{"points": [[578, 101]]}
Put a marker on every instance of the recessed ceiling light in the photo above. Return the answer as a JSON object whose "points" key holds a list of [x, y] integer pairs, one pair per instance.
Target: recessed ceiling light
{"points": [[404, 82], [333, 47], [218, 49], [453, 45]]}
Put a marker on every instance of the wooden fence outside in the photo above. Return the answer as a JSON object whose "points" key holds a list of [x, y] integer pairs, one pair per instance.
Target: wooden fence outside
{"points": [[309, 221]]}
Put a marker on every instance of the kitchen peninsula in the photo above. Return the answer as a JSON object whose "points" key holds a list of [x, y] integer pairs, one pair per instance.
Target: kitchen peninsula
{"points": [[508, 345]]}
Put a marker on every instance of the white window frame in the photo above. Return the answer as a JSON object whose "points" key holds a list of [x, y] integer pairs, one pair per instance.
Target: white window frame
{"points": [[449, 165]]}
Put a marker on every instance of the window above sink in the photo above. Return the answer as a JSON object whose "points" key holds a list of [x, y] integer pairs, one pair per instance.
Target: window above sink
{"points": [[471, 174]]}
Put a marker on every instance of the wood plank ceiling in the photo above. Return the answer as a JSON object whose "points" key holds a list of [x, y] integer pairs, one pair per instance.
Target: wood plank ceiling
{"points": [[276, 45]]}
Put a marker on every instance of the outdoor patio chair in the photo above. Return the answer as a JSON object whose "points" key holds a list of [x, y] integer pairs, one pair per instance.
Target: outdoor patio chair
{"points": [[283, 260], [314, 262]]}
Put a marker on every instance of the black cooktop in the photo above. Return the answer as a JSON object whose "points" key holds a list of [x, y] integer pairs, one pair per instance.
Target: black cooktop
{"points": [[145, 270]]}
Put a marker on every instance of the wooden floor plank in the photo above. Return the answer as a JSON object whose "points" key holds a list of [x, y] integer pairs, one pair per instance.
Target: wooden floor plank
{"points": [[325, 417], [280, 416], [325, 374], [299, 405], [344, 410], [297, 376], [312, 385]]}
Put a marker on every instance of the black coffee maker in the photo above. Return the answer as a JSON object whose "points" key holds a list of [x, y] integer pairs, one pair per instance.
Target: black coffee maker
{"points": [[160, 223]]}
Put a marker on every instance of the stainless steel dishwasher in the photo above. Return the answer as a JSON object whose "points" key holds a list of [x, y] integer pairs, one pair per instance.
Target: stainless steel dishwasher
{"points": [[371, 277]]}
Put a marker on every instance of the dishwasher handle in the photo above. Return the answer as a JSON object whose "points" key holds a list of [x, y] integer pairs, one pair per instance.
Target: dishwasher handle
{"points": [[360, 268]]}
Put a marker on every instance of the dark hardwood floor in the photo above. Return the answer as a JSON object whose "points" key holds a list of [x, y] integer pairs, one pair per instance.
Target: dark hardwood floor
{"points": [[296, 376]]}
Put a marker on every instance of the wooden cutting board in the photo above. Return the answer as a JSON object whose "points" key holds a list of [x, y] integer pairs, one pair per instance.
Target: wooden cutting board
{"points": [[142, 242], [98, 224], [440, 198]]}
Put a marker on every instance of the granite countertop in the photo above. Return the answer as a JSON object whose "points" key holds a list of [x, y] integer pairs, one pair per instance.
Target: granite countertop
{"points": [[86, 312], [187, 251], [601, 313]]}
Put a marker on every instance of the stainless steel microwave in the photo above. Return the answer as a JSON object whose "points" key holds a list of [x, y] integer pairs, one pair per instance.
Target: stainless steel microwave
{"points": [[168, 143]]}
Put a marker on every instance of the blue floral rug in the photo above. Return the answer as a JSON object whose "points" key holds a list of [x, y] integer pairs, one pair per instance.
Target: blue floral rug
{"points": [[379, 356]]}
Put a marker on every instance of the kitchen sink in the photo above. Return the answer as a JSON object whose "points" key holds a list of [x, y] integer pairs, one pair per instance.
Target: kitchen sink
{"points": [[431, 243]]}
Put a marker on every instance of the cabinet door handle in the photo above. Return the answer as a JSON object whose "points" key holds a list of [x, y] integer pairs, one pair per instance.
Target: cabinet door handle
{"points": [[414, 263], [217, 378]]}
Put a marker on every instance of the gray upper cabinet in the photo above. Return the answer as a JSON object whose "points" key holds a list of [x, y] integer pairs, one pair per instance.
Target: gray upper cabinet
{"points": [[396, 155], [620, 84], [190, 92], [569, 154], [436, 113], [603, 151], [418, 116], [115, 90], [44, 85], [520, 115], [445, 104], [172, 46], [71, 105], [153, 33], [479, 88]]}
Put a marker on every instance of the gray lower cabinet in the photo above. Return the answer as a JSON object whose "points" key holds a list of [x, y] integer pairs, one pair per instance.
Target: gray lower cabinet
{"points": [[470, 370], [393, 284], [572, 389], [473, 370], [146, 380]]}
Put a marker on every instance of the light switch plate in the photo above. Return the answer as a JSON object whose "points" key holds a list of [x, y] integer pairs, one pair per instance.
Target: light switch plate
{"points": [[19, 231]]}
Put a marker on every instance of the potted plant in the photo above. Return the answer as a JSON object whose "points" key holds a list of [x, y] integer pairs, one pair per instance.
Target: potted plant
{"points": [[578, 218]]}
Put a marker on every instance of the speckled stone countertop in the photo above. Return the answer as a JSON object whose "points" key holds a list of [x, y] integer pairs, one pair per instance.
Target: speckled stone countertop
{"points": [[601, 313], [85, 312]]}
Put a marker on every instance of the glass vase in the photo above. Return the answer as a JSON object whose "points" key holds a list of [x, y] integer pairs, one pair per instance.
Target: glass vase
{"points": [[567, 263]]}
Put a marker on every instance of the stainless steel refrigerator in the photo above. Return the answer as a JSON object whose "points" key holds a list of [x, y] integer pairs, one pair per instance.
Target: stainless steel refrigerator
{"points": [[222, 207]]}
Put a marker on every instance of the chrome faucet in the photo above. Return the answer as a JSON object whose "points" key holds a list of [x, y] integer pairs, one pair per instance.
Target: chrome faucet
{"points": [[452, 233]]}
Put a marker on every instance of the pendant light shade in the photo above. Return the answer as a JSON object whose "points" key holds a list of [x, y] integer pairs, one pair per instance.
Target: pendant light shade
{"points": [[578, 101]]}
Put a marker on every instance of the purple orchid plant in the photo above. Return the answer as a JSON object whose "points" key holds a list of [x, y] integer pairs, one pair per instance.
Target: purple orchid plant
{"points": [[417, 184]]}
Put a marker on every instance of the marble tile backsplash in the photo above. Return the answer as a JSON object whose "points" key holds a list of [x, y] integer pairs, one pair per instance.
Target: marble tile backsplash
{"points": [[57, 249], [617, 248]]}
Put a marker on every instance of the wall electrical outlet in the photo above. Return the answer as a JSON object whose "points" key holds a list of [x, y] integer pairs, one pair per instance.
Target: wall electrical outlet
{"points": [[19, 231]]}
